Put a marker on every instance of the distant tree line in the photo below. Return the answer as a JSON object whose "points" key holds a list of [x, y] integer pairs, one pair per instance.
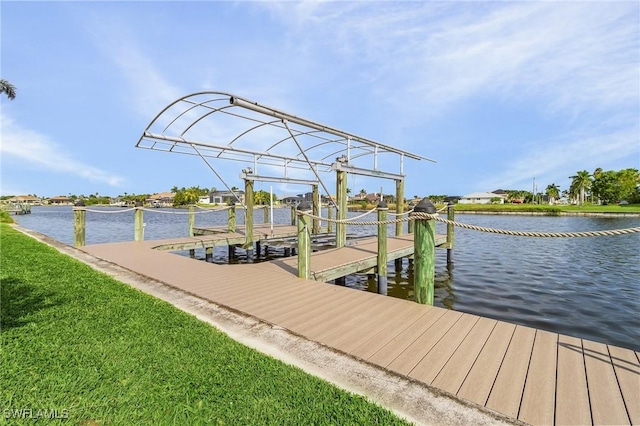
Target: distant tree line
{"points": [[606, 187]]}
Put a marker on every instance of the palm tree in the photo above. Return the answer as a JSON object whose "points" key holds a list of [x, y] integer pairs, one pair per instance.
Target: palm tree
{"points": [[580, 182], [552, 192], [596, 174], [8, 88]]}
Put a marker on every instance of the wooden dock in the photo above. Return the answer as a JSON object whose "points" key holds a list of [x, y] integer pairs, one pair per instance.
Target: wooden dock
{"points": [[530, 375]]}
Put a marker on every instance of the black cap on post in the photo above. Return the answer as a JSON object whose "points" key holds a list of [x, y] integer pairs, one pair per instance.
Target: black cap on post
{"points": [[138, 203], [79, 203], [382, 204], [304, 205], [425, 206]]}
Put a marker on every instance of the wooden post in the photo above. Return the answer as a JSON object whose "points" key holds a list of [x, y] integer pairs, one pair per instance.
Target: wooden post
{"points": [[138, 222], [399, 210], [265, 210], [316, 208], [248, 226], [450, 216], [79, 220], [399, 204], [192, 219], [410, 227], [382, 248], [293, 215], [208, 254], [231, 226], [192, 223], [329, 216], [341, 214], [304, 242], [424, 253]]}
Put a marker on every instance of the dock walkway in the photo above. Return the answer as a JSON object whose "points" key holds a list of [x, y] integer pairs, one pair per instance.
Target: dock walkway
{"points": [[532, 375]]}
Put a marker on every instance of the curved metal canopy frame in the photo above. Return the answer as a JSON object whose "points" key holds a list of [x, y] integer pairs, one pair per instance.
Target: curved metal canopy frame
{"points": [[220, 125]]}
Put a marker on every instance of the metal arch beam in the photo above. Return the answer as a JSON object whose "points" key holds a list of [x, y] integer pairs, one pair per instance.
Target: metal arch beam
{"points": [[300, 133], [193, 106], [251, 129], [315, 135], [203, 116], [254, 106]]}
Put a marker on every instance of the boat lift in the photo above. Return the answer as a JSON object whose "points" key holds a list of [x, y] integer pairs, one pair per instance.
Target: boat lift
{"points": [[293, 150]]}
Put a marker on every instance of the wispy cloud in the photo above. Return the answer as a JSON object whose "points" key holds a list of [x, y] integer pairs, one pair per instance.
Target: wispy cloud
{"points": [[571, 56], [575, 63], [146, 90], [559, 157], [37, 149]]}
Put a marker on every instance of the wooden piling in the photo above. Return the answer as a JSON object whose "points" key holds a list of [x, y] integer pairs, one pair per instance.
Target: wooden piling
{"points": [[304, 242], [382, 248], [293, 215], [450, 216], [399, 204], [248, 200], [208, 254], [79, 221], [192, 219], [315, 196], [231, 225], [138, 222], [424, 254], [330, 217], [341, 214], [265, 211]]}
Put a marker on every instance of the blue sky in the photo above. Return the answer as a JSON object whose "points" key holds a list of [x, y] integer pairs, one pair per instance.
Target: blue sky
{"points": [[498, 93]]}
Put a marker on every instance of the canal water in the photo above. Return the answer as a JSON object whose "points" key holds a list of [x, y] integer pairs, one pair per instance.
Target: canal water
{"points": [[583, 287]]}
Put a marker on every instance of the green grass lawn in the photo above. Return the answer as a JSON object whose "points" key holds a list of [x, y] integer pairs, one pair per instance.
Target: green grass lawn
{"points": [[545, 208], [79, 342]]}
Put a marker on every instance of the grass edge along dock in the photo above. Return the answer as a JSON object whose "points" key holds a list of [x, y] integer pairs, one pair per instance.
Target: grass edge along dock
{"points": [[79, 344]]}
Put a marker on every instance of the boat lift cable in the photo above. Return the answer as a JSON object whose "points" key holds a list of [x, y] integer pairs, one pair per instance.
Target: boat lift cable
{"points": [[219, 177], [315, 172]]}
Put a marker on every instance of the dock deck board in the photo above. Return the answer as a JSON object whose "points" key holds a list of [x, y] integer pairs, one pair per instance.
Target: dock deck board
{"points": [[530, 375]]}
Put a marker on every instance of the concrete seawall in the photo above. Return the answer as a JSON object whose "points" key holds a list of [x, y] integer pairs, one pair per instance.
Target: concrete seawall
{"points": [[585, 214]]}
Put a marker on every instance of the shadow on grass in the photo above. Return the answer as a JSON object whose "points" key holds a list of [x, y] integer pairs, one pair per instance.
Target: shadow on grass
{"points": [[20, 300]]}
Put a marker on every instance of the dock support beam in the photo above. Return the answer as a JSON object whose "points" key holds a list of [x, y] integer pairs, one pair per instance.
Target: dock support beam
{"points": [[399, 204], [208, 254], [138, 222], [192, 223], [79, 220], [341, 213], [450, 227], [231, 225], [304, 242], [248, 226], [330, 217], [424, 253], [315, 196], [399, 210], [382, 248], [192, 219]]}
